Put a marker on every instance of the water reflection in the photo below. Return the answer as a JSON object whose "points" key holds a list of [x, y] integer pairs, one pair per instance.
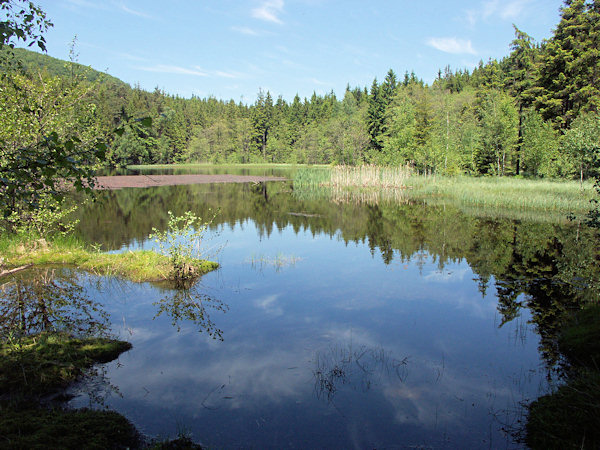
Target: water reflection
{"points": [[474, 304], [358, 369], [45, 299], [190, 305]]}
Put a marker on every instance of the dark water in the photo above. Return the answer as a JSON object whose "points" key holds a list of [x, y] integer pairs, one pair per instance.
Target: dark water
{"points": [[337, 325]]}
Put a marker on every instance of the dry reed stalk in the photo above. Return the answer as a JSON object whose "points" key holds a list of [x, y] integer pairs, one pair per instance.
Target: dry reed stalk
{"points": [[371, 176]]}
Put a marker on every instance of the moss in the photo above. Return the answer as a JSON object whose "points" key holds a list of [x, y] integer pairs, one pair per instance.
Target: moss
{"points": [[141, 265], [567, 418], [34, 366], [39, 428]]}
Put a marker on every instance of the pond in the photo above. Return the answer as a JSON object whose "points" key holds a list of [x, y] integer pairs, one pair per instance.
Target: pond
{"points": [[335, 324]]}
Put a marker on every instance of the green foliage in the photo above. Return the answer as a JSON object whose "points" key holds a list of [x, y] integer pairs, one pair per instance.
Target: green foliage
{"points": [[483, 121], [582, 142], [181, 242], [23, 21], [48, 140], [540, 151], [50, 218], [568, 418], [494, 193], [567, 81], [499, 133]]}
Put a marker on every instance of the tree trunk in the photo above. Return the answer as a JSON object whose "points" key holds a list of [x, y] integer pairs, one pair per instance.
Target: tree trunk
{"points": [[520, 139]]}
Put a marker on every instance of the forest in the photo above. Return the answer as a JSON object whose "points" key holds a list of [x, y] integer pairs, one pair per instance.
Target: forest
{"points": [[534, 113]]}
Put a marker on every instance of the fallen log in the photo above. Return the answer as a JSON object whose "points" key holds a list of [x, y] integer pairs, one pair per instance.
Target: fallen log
{"points": [[16, 269]]}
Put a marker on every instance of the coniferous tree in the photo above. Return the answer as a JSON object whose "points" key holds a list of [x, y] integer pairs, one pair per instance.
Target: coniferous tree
{"points": [[569, 72], [520, 79], [375, 114]]}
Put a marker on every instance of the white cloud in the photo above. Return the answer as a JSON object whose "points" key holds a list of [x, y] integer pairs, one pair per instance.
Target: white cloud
{"points": [[452, 45], [245, 30], [222, 74], [269, 11], [163, 68], [129, 56], [269, 305], [318, 82], [490, 9], [512, 10], [471, 17], [134, 12]]}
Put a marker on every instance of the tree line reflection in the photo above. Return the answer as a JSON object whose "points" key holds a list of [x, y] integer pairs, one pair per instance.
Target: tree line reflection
{"points": [[550, 268]]}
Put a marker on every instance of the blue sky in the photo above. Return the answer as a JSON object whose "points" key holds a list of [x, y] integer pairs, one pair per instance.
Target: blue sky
{"points": [[230, 49]]}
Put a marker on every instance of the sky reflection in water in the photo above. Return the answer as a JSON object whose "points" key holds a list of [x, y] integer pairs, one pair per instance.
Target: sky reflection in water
{"points": [[334, 349]]}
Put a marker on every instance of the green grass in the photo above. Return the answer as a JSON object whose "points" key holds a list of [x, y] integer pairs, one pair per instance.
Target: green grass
{"points": [[501, 193], [505, 192], [139, 265]]}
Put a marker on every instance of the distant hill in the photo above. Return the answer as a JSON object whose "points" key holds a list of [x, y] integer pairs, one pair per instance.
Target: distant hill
{"points": [[38, 61]]}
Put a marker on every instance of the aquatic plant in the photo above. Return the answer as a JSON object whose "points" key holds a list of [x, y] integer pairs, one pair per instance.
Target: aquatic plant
{"points": [[181, 243], [278, 262]]}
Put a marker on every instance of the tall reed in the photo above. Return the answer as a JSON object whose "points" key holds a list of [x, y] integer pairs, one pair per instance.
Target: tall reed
{"points": [[371, 176]]}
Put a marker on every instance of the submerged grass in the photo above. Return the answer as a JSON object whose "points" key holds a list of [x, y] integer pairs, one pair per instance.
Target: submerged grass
{"points": [[279, 262], [399, 184], [139, 265]]}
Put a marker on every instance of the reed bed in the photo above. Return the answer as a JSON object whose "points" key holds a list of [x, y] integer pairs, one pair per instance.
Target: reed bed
{"points": [[513, 193], [375, 184], [370, 176], [341, 195]]}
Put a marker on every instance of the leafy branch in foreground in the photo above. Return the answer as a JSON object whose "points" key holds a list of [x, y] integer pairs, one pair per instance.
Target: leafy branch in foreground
{"points": [[181, 243]]}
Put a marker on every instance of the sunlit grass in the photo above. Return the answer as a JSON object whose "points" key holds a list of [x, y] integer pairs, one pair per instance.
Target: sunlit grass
{"points": [[504, 192], [139, 265]]}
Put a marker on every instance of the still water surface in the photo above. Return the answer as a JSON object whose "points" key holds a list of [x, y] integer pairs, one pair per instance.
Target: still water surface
{"points": [[332, 325]]}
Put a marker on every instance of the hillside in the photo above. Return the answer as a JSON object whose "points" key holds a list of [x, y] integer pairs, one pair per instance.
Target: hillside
{"points": [[38, 61]]}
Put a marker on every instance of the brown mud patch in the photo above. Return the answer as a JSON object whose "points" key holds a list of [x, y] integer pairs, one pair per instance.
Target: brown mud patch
{"points": [[142, 181]]}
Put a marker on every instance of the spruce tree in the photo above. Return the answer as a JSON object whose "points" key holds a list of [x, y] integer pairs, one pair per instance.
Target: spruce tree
{"points": [[569, 73], [520, 80]]}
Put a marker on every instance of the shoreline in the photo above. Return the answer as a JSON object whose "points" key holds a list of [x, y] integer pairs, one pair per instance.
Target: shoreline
{"points": [[144, 181]]}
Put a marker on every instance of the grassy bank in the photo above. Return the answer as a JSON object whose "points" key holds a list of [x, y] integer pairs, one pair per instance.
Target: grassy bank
{"points": [[35, 366], [140, 265], [399, 184]]}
